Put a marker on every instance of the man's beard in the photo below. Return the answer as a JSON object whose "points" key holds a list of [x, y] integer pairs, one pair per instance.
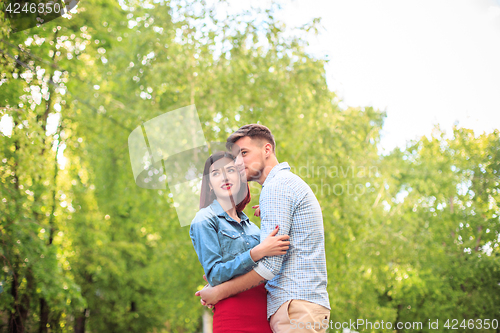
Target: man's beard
{"points": [[253, 173]]}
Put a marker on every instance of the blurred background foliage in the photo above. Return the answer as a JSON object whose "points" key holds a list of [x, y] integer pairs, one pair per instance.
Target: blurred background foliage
{"points": [[410, 236]]}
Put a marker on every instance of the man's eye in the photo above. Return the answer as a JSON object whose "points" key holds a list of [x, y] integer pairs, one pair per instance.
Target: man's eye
{"points": [[244, 153]]}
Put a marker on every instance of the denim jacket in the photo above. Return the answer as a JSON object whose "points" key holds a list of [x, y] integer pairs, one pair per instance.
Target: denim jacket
{"points": [[222, 244]]}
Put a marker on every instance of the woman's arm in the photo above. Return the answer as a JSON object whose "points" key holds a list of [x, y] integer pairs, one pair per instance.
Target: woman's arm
{"points": [[206, 244]]}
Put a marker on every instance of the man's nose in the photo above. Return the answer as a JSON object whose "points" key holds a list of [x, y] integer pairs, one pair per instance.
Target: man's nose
{"points": [[239, 162], [239, 159]]}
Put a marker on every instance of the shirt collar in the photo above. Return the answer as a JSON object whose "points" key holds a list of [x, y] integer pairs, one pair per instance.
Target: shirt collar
{"points": [[222, 213], [277, 168]]}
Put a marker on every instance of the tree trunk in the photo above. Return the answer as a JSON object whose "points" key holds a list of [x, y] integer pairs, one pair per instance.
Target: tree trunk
{"points": [[21, 306], [44, 316], [80, 322], [207, 322], [15, 324]]}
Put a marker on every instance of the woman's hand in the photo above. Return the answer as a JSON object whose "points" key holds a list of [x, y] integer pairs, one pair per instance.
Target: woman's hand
{"points": [[271, 246], [208, 296], [257, 210], [204, 303]]}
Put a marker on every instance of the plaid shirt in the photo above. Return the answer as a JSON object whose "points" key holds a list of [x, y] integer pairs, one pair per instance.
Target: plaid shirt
{"points": [[286, 200]]}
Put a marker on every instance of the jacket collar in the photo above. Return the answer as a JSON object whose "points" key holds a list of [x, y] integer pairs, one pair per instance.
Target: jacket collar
{"points": [[217, 208]]}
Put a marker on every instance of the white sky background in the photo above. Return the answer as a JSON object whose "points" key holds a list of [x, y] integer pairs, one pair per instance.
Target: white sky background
{"points": [[424, 62]]}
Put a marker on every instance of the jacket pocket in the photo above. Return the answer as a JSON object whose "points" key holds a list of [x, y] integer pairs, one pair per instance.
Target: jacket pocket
{"points": [[256, 238], [231, 243]]}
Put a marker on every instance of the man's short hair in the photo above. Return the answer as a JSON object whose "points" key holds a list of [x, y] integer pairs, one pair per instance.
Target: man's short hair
{"points": [[254, 131]]}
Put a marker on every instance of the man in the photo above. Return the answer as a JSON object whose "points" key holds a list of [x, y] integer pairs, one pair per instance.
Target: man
{"points": [[297, 299]]}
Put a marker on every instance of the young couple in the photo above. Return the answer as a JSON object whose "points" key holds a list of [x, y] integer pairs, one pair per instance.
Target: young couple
{"points": [[287, 254]]}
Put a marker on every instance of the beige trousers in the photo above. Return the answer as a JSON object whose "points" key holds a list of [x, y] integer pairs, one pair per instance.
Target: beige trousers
{"points": [[298, 316]]}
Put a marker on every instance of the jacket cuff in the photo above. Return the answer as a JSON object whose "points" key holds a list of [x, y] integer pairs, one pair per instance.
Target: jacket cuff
{"points": [[247, 261]]}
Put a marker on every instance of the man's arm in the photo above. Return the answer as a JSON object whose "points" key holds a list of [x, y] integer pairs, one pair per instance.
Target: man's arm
{"points": [[212, 295], [278, 205]]}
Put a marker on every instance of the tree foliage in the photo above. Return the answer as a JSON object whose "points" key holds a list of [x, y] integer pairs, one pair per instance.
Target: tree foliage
{"points": [[409, 236]]}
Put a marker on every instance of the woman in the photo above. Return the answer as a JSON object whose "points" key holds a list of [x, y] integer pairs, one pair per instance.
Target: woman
{"points": [[227, 244]]}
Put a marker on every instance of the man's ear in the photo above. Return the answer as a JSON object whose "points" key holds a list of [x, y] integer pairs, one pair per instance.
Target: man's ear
{"points": [[268, 149]]}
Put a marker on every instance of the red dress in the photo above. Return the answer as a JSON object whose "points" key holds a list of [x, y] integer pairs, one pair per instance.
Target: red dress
{"points": [[245, 312]]}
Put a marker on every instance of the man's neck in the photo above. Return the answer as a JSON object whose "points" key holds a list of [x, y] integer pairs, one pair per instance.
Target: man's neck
{"points": [[267, 169]]}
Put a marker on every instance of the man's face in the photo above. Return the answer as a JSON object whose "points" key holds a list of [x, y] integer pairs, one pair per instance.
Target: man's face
{"points": [[252, 153]]}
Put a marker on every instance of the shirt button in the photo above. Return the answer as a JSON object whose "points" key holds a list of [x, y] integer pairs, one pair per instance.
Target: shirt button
{"points": [[242, 233], [248, 243]]}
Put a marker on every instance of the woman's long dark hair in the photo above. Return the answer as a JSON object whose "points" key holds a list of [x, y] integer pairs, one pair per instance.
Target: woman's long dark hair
{"points": [[207, 196]]}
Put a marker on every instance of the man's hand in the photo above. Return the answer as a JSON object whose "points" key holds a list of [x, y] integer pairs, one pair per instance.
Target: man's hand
{"points": [[208, 294]]}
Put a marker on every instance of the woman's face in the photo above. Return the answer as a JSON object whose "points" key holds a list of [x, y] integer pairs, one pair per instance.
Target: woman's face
{"points": [[224, 178]]}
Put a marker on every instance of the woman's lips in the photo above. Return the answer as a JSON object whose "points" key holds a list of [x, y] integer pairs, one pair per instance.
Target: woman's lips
{"points": [[226, 186]]}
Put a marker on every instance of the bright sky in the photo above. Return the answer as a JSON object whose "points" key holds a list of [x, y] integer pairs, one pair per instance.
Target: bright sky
{"points": [[424, 62]]}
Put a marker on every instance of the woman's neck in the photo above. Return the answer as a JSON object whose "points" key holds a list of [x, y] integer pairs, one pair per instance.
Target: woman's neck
{"points": [[230, 209]]}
